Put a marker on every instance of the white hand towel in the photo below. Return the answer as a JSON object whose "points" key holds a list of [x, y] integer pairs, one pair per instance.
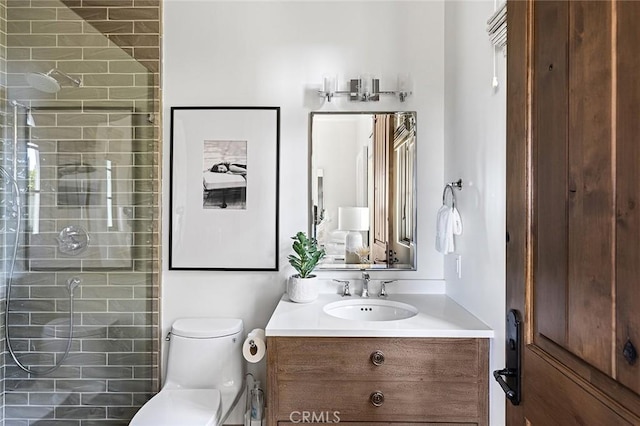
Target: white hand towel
{"points": [[444, 230], [457, 222]]}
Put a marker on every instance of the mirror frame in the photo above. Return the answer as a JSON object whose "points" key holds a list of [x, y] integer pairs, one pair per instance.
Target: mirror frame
{"points": [[310, 204]]}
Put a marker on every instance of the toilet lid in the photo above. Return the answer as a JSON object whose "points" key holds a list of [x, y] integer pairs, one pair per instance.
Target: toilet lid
{"points": [[180, 407]]}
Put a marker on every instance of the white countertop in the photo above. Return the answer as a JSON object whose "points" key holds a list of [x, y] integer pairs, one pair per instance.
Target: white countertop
{"points": [[438, 316]]}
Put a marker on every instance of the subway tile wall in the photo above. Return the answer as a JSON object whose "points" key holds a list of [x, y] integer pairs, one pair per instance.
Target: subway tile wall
{"points": [[89, 173]]}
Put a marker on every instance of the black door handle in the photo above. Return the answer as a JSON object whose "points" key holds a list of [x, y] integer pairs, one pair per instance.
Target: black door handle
{"points": [[509, 378], [510, 393]]}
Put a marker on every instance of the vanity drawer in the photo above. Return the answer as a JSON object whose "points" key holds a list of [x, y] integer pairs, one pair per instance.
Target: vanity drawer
{"points": [[398, 359], [434, 401]]}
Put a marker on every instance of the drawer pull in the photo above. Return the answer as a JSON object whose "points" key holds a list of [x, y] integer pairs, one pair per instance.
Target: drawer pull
{"points": [[376, 398], [377, 358]]}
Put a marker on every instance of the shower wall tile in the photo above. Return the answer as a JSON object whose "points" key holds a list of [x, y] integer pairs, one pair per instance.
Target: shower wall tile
{"points": [[29, 412], [81, 413], [127, 385], [111, 398], [56, 423], [17, 53], [108, 319], [84, 93], [29, 385], [84, 359], [56, 53], [31, 40], [54, 27], [110, 345], [134, 13], [124, 66], [137, 332], [143, 27], [121, 412], [50, 344], [98, 65], [109, 292], [120, 372], [12, 422], [112, 3], [114, 27], [17, 398], [82, 40], [112, 80], [127, 358], [81, 385], [23, 305], [55, 398], [16, 13], [88, 13], [18, 27], [108, 53], [147, 3], [19, 318], [145, 372]]}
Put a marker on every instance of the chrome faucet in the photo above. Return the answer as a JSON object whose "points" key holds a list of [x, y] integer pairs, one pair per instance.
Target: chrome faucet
{"points": [[383, 289], [365, 284], [345, 289]]}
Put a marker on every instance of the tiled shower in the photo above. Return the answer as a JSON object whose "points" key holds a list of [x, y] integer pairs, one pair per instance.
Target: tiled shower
{"points": [[79, 89]]}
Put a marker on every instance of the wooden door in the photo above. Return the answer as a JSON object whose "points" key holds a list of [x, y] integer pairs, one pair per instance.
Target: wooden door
{"points": [[382, 138], [573, 217]]}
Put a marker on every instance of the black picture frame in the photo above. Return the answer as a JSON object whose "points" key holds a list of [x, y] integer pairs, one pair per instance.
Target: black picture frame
{"points": [[224, 188]]}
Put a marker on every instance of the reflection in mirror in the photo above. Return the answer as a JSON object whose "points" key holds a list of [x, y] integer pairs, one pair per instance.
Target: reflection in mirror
{"points": [[362, 189]]}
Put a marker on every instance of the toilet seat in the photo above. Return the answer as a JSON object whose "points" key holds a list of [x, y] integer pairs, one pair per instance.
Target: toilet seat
{"points": [[180, 407]]}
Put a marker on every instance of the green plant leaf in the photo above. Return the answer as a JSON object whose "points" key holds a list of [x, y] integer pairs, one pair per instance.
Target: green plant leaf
{"points": [[307, 255]]}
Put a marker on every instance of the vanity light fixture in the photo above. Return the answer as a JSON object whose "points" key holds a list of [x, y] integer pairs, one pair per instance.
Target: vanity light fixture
{"points": [[365, 88]]}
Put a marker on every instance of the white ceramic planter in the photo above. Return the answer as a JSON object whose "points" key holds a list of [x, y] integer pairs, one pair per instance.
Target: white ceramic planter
{"points": [[302, 290]]}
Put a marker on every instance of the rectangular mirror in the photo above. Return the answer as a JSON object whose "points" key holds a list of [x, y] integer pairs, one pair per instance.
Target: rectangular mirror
{"points": [[362, 186]]}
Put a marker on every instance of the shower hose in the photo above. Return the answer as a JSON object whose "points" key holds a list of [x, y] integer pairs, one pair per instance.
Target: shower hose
{"points": [[72, 283]]}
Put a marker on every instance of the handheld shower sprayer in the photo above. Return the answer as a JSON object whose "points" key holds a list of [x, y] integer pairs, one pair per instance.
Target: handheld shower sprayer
{"points": [[30, 120], [72, 284]]}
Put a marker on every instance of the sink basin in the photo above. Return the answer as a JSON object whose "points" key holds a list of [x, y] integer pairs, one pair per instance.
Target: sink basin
{"points": [[370, 310]]}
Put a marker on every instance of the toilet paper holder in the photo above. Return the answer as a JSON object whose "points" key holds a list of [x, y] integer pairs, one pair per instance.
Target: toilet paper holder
{"points": [[254, 347]]}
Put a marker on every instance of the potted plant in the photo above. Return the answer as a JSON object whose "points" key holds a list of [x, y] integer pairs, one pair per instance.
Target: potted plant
{"points": [[303, 287]]}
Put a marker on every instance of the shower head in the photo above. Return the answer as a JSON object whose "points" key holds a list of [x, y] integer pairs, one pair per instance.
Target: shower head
{"points": [[47, 82]]}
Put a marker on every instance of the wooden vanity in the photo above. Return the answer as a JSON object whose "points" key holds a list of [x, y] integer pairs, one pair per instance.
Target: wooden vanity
{"points": [[370, 380], [428, 380]]}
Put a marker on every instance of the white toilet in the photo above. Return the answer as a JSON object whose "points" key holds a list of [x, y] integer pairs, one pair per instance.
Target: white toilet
{"points": [[205, 371]]}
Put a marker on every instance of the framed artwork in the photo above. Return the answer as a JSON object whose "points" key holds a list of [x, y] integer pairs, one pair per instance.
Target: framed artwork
{"points": [[224, 188]]}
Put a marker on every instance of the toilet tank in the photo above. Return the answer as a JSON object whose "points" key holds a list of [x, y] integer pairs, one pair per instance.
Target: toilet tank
{"points": [[206, 353]]}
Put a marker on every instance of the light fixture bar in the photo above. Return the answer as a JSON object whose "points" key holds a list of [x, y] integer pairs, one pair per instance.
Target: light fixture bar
{"points": [[364, 89]]}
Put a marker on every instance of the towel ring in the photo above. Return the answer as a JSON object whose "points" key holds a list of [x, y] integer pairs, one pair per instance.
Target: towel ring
{"points": [[451, 186]]}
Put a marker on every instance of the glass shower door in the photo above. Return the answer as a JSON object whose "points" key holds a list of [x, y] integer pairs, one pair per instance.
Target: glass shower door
{"points": [[81, 144]]}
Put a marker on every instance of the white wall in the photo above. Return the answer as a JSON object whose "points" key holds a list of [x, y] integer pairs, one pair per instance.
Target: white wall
{"points": [[223, 53], [272, 53], [475, 144]]}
